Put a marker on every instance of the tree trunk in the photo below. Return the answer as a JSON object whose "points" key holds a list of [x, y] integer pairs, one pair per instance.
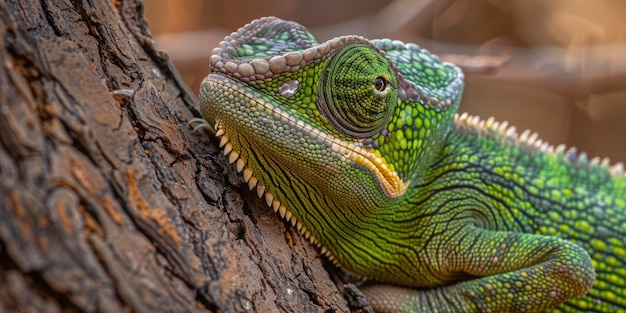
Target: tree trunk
{"points": [[108, 202]]}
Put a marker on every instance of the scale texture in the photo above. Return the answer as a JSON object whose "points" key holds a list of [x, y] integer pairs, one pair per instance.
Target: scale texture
{"points": [[357, 143]]}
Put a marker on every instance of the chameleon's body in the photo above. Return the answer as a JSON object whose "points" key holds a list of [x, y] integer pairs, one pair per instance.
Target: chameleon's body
{"points": [[357, 144]]}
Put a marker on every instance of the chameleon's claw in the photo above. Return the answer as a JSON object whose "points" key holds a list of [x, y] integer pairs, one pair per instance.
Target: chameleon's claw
{"points": [[197, 123]]}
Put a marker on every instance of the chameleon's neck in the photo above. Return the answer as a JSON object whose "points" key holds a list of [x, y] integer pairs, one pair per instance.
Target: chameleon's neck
{"points": [[515, 185]]}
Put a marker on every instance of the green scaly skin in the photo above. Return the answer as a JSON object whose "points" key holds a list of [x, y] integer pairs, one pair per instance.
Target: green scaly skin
{"points": [[357, 144]]}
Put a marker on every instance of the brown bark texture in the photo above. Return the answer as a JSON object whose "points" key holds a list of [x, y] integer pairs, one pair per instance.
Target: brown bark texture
{"points": [[108, 203]]}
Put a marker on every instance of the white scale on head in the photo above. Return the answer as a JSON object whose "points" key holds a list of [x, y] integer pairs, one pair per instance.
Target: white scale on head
{"points": [[289, 89]]}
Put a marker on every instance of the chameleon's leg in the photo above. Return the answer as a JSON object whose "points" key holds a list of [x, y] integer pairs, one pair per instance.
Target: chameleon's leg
{"points": [[509, 272]]}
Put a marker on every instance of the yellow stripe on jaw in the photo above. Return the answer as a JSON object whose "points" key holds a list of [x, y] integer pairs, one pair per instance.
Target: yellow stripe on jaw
{"points": [[392, 184]]}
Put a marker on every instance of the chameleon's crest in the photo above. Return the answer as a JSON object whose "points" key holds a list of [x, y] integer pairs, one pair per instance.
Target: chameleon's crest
{"points": [[529, 140], [269, 47]]}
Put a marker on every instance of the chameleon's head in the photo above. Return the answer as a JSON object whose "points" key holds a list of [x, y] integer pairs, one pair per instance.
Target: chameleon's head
{"points": [[328, 131]]}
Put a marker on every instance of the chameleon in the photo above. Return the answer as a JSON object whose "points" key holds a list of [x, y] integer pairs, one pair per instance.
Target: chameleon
{"points": [[357, 144]]}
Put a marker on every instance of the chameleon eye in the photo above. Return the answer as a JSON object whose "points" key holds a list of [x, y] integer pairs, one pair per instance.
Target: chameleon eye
{"points": [[345, 94], [380, 83]]}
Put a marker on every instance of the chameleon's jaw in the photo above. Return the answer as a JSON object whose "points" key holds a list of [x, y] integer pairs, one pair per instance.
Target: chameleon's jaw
{"points": [[254, 183]]}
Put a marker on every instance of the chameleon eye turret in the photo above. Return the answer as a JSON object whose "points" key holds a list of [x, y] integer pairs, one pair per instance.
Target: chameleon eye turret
{"points": [[358, 91], [358, 145]]}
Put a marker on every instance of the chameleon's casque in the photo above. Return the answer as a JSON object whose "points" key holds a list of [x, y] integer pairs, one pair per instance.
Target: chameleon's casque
{"points": [[357, 144]]}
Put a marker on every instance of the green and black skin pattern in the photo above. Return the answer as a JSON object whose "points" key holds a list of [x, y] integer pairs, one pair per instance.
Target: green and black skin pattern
{"points": [[358, 144]]}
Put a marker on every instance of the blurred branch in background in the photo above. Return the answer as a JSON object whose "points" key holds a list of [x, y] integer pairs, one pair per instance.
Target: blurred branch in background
{"points": [[556, 67]]}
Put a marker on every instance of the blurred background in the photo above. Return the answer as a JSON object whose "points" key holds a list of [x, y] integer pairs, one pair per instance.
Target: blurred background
{"points": [[556, 67]]}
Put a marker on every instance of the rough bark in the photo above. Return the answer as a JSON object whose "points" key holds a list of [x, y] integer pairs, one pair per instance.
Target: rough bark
{"points": [[107, 202]]}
